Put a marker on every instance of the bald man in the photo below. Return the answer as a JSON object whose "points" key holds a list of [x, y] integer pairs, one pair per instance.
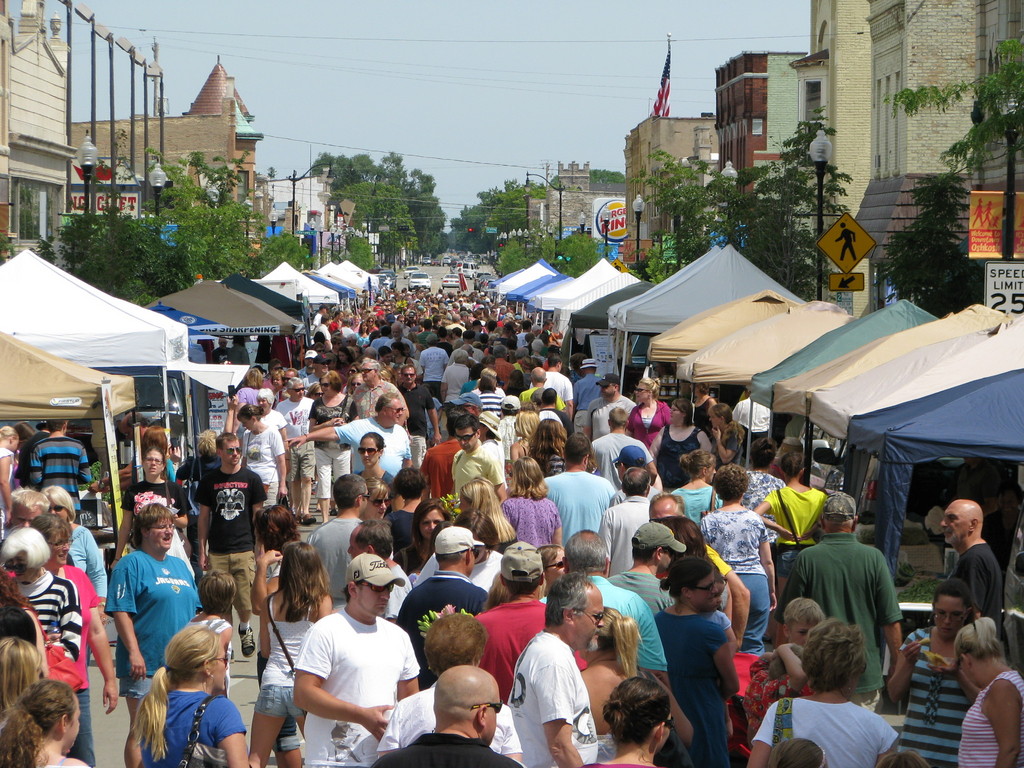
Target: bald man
{"points": [[466, 705], [961, 526]]}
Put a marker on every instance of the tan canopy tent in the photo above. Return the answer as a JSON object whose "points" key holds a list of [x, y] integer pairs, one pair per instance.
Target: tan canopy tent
{"points": [[239, 313], [38, 385], [716, 323], [791, 395], [737, 357]]}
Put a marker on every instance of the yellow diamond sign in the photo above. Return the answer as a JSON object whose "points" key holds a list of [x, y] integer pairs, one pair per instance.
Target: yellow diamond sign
{"points": [[620, 266], [846, 242]]}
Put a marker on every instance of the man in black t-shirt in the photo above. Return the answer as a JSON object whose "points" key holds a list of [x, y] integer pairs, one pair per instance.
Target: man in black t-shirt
{"points": [[420, 402], [228, 498], [977, 566]]}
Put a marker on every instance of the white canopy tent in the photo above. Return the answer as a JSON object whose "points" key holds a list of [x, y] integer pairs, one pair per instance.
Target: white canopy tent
{"points": [[343, 277], [735, 358], [82, 324], [719, 276], [528, 275], [311, 289], [595, 278]]}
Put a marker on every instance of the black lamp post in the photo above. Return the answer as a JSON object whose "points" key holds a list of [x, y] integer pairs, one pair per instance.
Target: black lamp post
{"points": [[606, 220], [638, 211], [821, 152], [296, 179], [583, 223], [157, 180], [559, 189], [88, 159], [1010, 203]]}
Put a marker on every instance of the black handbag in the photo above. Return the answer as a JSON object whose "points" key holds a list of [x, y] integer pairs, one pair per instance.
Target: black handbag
{"points": [[198, 755]]}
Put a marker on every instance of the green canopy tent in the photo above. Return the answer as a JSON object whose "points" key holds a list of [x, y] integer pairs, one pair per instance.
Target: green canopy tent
{"points": [[278, 301], [595, 314]]}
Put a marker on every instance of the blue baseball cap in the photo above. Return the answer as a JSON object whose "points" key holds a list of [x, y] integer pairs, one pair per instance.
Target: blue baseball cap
{"points": [[632, 456]]}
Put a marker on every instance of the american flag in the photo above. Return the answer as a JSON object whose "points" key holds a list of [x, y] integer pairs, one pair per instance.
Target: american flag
{"points": [[661, 105]]}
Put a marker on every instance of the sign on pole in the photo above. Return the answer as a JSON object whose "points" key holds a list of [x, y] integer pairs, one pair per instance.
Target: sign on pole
{"points": [[841, 281], [846, 243], [1004, 286], [985, 236], [620, 266]]}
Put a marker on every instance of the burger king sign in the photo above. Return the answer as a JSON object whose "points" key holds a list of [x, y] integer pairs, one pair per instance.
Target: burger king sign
{"points": [[614, 211]]}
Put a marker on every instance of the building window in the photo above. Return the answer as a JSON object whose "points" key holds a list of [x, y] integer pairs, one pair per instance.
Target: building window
{"points": [[37, 205], [757, 126], [812, 98]]}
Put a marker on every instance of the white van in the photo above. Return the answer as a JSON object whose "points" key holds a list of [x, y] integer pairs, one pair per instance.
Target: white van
{"points": [[468, 268]]}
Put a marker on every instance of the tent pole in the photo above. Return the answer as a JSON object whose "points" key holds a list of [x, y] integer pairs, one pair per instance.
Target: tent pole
{"points": [[808, 444], [750, 425], [625, 352]]}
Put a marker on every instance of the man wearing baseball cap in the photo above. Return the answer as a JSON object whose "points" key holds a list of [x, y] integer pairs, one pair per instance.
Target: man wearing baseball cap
{"points": [[851, 582], [654, 548], [585, 391], [620, 521], [353, 668], [511, 625], [455, 550]]}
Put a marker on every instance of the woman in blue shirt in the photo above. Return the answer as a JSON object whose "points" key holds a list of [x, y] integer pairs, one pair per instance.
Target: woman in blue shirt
{"points": [[193, 675]]}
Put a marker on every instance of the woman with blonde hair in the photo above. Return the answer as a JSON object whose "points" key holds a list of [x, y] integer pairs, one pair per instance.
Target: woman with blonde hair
{"points": [[526, 425], [479, 494], [993, 729], [8, 445], [727, 434], [19, 668], [547, 447], [191, 679], [650, 416], [41, 727], [85, 552], [528, 509]]}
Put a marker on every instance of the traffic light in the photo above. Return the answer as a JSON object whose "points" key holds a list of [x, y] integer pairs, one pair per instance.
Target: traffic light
{"points": [[471, 229]]}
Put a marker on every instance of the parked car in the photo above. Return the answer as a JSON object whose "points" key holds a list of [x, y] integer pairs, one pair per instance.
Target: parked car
{"points": [[409, 272], [483, 280], [419, 280], [387, 278], [451, 280]]}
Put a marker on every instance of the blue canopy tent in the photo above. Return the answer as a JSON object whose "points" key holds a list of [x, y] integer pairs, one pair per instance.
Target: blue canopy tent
{"points": [[344, 292], [982, 418], [195, 323], [892, 319], [526, 292], [503, 278]]}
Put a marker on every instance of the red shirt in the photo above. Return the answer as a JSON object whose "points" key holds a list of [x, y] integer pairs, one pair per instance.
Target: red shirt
{"points": [[510, 627], [437, 466]]}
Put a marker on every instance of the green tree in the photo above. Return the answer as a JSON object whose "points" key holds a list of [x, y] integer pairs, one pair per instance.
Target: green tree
{"points": [[273, 250], [359, 252], [951, 281], [575, 254], [601, 176]]}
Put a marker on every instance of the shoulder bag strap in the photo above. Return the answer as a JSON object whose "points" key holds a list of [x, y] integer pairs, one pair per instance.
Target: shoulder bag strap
{"points": [[782, 727], [788, 517], [711, 502], [277, 634], [193, 736]]}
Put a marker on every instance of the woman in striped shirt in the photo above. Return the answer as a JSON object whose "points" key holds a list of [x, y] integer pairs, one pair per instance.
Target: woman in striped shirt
{"points": [[55, 600], [993, 728]]}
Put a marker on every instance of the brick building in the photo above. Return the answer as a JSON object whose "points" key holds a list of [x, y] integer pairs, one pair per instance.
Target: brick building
{"points": [[681, 137], [217, 124], [755, 107]]}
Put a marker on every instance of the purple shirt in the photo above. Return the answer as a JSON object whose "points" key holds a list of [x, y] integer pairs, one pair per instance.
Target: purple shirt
{"points": [[535, 521]]}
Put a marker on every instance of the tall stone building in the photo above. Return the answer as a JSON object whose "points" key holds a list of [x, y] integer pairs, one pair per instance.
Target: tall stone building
{"points": [[755, 107], [577, 199], [691, 138], [836, 76], [928, 43], [32, 113]]}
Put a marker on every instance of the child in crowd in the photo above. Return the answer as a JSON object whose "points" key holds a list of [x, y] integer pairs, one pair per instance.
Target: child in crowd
{"points": [[780, 674], [216, 594]]}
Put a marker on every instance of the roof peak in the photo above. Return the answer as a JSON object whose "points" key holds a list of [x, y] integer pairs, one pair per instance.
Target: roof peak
{"points": [[210, 100]]}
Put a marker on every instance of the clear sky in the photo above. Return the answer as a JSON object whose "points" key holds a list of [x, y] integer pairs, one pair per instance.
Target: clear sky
{"points": [[471, 92]]}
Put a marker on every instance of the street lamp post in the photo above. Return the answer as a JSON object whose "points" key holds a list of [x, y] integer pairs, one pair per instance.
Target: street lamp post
{"points": [[559, 189], [157, 180], [821, 152], [294, 179], [214, 194], [1010, 205], [583, 223], [274, 218], [88, 158], [606, 220], [638, 211]]}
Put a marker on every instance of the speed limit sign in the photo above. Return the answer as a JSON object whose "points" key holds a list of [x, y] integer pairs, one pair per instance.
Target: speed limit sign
{"points": [[1004, 286]]}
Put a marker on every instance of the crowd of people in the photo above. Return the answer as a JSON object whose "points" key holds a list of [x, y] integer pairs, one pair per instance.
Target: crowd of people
{"points": [[461, 554]]}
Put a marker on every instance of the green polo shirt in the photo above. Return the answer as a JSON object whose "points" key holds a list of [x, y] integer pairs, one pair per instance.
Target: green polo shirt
{"points": [[851, 582]]}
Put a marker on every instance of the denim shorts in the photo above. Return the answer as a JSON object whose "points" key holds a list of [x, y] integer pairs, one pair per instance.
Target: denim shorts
{"points": [[278, 701], [786, 561], [131, 688]]}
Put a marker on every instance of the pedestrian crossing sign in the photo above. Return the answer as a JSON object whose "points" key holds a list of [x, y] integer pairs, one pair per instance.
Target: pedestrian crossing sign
{"points": [[846, 242]]}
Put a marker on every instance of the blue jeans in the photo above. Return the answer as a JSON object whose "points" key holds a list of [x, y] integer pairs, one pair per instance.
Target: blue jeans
{"points": [[757, 622], [287, 738], [82, 748]]}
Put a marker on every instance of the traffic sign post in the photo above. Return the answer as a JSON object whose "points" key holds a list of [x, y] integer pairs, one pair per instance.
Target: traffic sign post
{"points": [[840, 281], [846, 243], [1004, 286], [620, 266]]}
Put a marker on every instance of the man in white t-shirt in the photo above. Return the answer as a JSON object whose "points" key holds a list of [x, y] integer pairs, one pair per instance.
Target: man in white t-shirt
{"points": [[559, 382], [352, 669], [300, 461], [601, 407], [620, 521], [550, 703]]}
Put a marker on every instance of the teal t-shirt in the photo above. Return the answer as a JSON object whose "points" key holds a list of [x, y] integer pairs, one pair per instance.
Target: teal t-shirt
{"points": [[161, 597], [697, 501]]}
